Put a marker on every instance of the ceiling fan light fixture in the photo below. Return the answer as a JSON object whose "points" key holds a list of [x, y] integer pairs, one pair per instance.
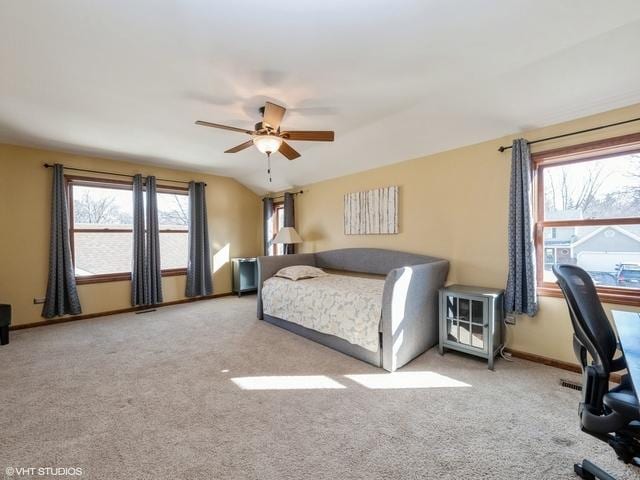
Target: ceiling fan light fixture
{"points": [[267, 144]]}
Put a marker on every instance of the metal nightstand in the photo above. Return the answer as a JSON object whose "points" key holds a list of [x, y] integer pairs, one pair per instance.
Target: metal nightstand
{"points": [[245, 275], [471, 320]]}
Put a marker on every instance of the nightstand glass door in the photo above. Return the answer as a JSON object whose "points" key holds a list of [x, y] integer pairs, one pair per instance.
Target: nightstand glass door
{"points": [[465, 321], [477, 324]]}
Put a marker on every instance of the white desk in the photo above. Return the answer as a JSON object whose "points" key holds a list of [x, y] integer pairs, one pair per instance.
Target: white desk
{"points": [[628, 327]]}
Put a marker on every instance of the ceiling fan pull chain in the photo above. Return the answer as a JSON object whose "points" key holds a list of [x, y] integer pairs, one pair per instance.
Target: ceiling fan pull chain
{"points": [[269, 165]]}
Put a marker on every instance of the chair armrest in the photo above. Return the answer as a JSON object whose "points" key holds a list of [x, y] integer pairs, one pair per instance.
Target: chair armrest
{"points": [[269, 266], [409, 324]]}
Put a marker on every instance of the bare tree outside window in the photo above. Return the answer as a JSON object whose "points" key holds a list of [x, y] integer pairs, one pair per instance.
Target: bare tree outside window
{"points": [[596, 189], [634, 190], [174, 210], [99, 209], [565, 194]]}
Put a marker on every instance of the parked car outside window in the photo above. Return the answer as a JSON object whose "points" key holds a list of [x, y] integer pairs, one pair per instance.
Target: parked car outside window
{"points": [[628, 275]]}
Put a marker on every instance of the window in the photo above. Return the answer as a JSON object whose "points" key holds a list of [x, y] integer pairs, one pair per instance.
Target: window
{"points": [[588, 214], [102, 229], [173, 219], [277, 220]]}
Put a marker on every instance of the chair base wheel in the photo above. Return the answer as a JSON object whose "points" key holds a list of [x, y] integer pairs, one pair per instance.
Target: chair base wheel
{"points": [[589, 471], [577, 468]]}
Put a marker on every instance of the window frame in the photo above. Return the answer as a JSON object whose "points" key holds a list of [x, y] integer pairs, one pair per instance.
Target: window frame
{"points": [[597, 150], [75, 180]]}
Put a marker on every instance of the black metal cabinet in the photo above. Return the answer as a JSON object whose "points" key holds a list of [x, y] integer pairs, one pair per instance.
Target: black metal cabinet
{"points": [[245, 275], [5, 322]]}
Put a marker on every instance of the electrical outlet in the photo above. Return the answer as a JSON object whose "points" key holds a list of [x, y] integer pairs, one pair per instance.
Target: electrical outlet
{"points": [[37, 301], [510, 319]]}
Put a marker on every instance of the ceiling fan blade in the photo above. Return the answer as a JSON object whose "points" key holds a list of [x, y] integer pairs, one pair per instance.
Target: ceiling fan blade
{"points": [[224, 127], [273, 114], [286, 150], [310, 135], [240, 147]]}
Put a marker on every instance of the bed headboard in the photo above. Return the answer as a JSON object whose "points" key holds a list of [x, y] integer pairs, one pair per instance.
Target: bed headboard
{"points": [[369, 260]]}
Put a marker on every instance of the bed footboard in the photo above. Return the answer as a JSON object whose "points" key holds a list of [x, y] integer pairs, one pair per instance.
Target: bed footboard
{"points": [[410, 312]]}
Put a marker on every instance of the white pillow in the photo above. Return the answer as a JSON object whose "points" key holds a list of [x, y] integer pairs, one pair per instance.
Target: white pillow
{"points": [[299, 272]]}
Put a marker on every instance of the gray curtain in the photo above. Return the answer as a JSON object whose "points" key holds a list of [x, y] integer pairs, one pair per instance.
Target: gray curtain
{"points": [[289, 220], [267, 213], [62, 295], [520, 295], [152, 269], [137, 266], [199, 265]]}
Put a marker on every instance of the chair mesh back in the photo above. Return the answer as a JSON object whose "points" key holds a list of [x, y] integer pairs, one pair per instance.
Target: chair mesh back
{"points": [[590, 323]]}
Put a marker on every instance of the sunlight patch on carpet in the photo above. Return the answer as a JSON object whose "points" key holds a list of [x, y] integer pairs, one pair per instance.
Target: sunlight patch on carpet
{"points": [[300, 382], [406, 380]]}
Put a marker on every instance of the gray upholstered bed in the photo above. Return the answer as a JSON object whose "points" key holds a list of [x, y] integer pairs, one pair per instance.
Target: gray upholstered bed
{"points": [[409, 317]]}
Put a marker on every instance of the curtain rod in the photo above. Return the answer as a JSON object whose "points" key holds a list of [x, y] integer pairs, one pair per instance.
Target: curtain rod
{"points": [[47, 165], [282, 196], [503, 148]]}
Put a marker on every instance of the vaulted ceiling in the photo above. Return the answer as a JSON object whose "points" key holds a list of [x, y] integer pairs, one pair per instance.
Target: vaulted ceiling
{"points": [[394, 79]]}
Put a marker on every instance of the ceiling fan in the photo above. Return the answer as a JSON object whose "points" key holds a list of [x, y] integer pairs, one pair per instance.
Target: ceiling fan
{"points": [[269, 138]]}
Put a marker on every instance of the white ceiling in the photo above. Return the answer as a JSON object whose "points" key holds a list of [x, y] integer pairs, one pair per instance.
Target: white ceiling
{"points": [[395, 79]]}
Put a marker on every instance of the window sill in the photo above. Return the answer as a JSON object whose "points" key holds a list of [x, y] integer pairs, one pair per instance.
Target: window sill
{"points": [[174, 272], [121, 277], [607, 295]]}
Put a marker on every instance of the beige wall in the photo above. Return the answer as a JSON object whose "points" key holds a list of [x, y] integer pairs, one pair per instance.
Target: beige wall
{"points": [[454, 205], [25, 191]]}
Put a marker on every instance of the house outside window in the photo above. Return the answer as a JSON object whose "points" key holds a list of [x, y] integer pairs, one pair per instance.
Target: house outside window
{"points": [[101, 227], [588, 214]]}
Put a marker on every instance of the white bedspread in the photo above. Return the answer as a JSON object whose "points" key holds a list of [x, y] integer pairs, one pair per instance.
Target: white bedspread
{"points": [[345, 306]]}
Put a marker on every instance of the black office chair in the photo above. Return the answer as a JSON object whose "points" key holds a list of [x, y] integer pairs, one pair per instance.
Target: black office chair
{"points": [[611, 415]]}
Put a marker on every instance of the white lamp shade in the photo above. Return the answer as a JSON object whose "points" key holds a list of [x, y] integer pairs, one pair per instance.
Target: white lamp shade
{"points": [[267, 143], [287, 235]]}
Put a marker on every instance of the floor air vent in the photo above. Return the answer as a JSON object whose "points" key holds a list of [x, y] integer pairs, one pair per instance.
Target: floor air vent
{"points": [[572, 384]]}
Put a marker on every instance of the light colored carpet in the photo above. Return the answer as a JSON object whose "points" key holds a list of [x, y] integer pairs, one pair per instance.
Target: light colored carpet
{"points": [[153, 396]]}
